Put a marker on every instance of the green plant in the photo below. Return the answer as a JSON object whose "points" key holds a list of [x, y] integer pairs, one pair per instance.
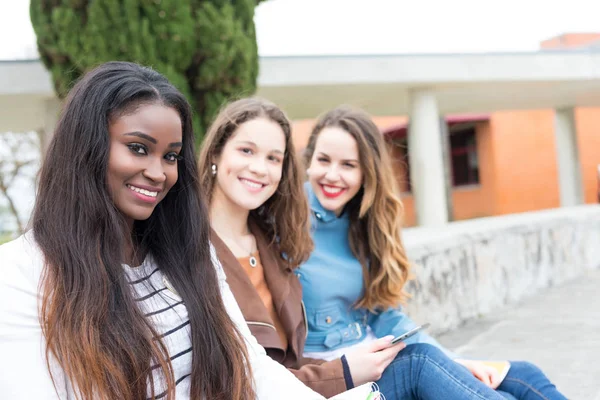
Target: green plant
{"points": [[207, 49], [5, 238]]}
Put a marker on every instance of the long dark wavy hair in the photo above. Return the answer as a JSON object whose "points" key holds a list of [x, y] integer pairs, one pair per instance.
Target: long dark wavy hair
{"points": [[91, 323]]}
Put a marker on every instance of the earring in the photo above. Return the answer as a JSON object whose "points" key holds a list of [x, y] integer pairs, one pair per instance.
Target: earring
{"points": [[214, 169]]}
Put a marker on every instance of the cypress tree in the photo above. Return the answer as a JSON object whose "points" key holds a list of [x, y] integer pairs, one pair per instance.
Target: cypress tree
{"points": [[207, 49]]}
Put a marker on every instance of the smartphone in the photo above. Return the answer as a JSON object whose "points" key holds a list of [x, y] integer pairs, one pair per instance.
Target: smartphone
{"points": [[408, 334]]}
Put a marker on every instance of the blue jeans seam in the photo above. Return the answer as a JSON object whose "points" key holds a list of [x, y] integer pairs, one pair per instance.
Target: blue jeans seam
{"points": [[459, 382], [527, 386]]}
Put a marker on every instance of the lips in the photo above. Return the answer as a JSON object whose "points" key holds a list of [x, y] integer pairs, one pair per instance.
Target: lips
{"points": [[251, 185], [332, 192], [145, 194]]}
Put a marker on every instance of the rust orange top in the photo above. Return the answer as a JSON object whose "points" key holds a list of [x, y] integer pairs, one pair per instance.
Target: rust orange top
{"points": [[257, 277]]}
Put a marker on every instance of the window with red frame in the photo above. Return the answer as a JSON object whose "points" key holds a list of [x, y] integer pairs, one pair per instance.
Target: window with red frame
{"points": [[463, 150]]}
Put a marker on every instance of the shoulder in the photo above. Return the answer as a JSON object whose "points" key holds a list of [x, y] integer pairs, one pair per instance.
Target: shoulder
{"points": [[20, 274], [22, 343], [22, 263]]}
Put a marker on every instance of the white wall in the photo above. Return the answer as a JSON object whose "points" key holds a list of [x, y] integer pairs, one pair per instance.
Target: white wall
{"points": [[473, 268]]}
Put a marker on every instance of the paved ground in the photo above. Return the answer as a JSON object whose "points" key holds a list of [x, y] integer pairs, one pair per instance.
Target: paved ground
{"points": [[558, 329]]}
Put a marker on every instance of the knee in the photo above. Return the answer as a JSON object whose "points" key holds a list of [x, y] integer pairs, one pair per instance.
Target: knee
{"points": [[524, 369], [423, 350]]}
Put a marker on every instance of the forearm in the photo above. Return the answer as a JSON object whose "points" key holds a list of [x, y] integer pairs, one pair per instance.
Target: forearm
{"points": [[326, 378]]}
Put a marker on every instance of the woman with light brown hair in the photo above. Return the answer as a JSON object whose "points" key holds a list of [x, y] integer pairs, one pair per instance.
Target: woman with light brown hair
{"points": [[354, 281], [260, 220]]}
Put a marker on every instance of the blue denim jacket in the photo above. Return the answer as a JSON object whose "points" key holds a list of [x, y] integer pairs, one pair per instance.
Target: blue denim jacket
{"points": [[332, 282]]}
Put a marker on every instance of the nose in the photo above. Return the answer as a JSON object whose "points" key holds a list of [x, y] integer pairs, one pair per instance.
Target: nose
{"points": [[332, 174], [258, 166], [155, 170]]}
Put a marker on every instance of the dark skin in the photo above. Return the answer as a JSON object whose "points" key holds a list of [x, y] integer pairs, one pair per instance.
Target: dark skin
{"points": [[142, 165]]}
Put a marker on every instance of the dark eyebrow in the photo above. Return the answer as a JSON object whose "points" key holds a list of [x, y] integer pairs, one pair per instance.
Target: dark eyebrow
{"points": [[151, 139], [141, 135], [347, 160], [248, 142]]}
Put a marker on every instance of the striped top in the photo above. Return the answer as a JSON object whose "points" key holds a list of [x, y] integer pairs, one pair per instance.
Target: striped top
{"points": [[168, 315], [24, 370]]}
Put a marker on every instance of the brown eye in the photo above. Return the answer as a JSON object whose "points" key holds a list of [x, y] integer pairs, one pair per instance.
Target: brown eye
{"points": [[137, 148], [173, 157]]}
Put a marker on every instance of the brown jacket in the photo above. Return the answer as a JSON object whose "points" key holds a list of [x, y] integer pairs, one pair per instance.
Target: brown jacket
{"points": [[326, 378]]}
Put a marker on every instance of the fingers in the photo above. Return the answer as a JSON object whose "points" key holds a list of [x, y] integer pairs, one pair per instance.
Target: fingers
{"points": [[495, 380], [388, 354], [479, 370], [483, 375], [380, 344]]}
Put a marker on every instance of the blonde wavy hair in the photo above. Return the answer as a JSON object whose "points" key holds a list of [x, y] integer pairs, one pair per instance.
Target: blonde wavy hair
{"points": [[375, 212], [284, 217]]}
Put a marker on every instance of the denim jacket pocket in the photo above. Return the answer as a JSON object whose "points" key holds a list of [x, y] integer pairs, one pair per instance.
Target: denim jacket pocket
{"points": [[327, 317]]}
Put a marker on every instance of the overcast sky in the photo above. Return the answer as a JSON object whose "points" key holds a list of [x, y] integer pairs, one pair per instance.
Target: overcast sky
{"points": [[300, 27]]}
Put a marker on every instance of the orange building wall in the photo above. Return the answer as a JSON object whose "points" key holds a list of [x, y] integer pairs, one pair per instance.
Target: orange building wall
{"points": [[525, 161], [570, 40], [587, 121], [399, 165]]}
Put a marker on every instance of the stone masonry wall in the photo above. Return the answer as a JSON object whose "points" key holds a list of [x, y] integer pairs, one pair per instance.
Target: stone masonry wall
{"points": [[471, 268]]}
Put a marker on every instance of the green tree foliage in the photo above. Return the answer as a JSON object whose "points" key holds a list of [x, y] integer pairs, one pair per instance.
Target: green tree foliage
{"points": [[207, 49]]}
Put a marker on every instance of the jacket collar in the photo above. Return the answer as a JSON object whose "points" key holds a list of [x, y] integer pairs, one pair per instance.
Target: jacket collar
{"points": [[276, 276], [315, 205]]}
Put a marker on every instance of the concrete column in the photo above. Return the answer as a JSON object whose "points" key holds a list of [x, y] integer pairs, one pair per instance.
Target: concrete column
{"points": [[447, 162], [426, 161], [569, 171]]}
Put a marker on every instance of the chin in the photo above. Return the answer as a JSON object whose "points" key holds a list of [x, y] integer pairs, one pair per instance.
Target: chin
{"points": [[330, 205], [140, 215], [253, 206]]}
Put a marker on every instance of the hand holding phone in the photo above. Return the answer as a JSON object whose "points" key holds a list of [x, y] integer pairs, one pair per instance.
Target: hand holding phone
{"points": [[408, 334]]}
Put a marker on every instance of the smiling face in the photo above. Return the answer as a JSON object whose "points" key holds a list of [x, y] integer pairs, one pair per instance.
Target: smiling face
{"points": [[250, 165], [142, 164], [335, 173]]}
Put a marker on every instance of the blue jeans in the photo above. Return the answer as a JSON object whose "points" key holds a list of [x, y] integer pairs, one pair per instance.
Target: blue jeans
{"points": [[423, 372], [525, 381]]}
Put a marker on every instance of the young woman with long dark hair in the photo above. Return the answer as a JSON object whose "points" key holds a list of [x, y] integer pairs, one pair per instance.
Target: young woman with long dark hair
{"points": [[114, 293]]}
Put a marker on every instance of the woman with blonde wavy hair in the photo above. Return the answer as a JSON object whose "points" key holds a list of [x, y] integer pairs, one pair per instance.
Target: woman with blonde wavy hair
{"points": [[353, 283]]}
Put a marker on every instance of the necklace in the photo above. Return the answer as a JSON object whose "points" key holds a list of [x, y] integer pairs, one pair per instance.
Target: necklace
{"points": [[251, 259]]}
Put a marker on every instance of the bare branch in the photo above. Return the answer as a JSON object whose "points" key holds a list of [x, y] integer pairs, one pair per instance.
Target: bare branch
{"points": [[19, 153]]}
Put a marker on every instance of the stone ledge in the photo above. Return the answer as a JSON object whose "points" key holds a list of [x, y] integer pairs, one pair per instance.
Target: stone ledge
{"points": [[472, 268]]}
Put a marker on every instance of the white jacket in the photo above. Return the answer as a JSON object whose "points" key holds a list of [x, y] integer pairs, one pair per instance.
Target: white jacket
{"points": [[23, 369]]}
